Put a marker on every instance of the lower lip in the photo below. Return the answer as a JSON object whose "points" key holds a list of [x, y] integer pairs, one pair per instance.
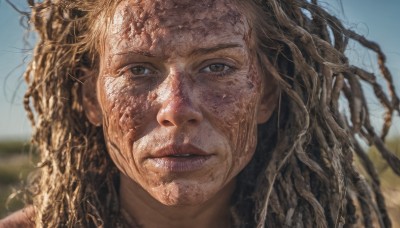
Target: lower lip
{"points": [[179, 164]]}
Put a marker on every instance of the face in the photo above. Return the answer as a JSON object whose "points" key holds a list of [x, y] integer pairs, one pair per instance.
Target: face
{"points": [[179, 95]]}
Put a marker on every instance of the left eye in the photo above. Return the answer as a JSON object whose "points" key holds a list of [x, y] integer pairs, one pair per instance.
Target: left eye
{"points": [[216, 68], [140, 70]]}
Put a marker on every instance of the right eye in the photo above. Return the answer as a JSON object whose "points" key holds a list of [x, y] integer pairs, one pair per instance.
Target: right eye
{"points": [[138, 71]]}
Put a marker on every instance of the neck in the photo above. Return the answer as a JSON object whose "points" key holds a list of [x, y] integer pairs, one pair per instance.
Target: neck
{"points": [[139, 206]]}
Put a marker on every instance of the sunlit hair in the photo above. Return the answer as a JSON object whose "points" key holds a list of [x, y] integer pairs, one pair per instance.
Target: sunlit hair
{"points": [[302, 173]]}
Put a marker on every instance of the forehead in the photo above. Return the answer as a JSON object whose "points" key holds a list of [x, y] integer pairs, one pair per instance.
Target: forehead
{"points": [[152, 24]]}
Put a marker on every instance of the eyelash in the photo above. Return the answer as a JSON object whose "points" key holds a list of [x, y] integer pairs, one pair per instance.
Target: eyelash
{"points": [[225, 71], [150, 71], [128, 69]]}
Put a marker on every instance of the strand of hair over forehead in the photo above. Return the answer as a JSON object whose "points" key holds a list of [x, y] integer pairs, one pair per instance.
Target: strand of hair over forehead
{"points": [[308, 179]]}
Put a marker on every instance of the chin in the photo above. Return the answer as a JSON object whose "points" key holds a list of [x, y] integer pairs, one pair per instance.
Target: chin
{"points": [[182, 193]]}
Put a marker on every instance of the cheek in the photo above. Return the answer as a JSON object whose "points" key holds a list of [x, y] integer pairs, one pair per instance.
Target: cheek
{"points": [[124, 113], [233, 110]]}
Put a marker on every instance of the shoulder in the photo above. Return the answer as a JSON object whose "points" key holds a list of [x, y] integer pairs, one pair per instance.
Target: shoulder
{"points": [[22, 218]]}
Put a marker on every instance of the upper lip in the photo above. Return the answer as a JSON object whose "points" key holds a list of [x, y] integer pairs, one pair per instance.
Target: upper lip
{"points": [[173, 149]]}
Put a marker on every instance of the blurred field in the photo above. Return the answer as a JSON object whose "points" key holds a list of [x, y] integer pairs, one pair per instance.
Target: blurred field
{"points": [[15, 165]]}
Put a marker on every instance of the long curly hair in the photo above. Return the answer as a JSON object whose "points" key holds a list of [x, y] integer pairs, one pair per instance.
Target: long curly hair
{"points": [[302, 174]]}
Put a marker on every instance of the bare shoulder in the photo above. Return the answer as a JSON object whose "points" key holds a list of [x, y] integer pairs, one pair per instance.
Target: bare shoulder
{"points": [[22, 218]]}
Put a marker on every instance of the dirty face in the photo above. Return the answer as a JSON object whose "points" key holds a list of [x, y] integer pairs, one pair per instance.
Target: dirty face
{"points": [[180, 95]]}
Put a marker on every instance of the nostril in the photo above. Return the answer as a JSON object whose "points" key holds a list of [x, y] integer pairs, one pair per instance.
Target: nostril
{"points": [[192, 121], [167, 123]]}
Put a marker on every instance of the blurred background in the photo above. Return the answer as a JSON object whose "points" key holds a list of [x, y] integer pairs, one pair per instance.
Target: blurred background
{"points": [[376, 20]]}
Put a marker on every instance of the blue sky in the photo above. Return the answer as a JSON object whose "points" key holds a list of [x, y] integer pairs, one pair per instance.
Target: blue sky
{"points": [[377, 20]]}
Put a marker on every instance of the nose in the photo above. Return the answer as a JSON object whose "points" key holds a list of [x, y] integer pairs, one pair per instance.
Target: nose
{"points": [[179, 106]]}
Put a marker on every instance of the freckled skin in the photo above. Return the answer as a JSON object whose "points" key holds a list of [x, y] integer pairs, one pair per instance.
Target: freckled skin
{"points": [[179, 102]]}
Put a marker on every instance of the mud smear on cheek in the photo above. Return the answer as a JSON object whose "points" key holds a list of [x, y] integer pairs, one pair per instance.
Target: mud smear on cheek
{"points": [[120, 147], [233, 106], [114, 151], [239, 117], [246, 133], [124, 115], [254, 76], [112, 134]]}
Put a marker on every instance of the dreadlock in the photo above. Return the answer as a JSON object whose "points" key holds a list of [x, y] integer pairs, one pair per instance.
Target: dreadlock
{"points": [[76, 176], [302, 174]]}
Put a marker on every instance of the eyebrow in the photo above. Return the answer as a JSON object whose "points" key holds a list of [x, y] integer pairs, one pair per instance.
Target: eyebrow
{"points": [[138, 52], [198, 51], [203, 51]]}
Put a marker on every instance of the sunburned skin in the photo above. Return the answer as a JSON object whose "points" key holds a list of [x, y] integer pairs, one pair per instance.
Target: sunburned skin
{"points": [[180, 77]]}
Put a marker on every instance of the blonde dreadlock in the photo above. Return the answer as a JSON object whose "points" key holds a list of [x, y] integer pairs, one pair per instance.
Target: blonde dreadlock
{"points": [[302, 174]]}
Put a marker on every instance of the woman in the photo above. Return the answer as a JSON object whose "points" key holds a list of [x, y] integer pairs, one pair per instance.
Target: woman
{"points": [[208, 113]]}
